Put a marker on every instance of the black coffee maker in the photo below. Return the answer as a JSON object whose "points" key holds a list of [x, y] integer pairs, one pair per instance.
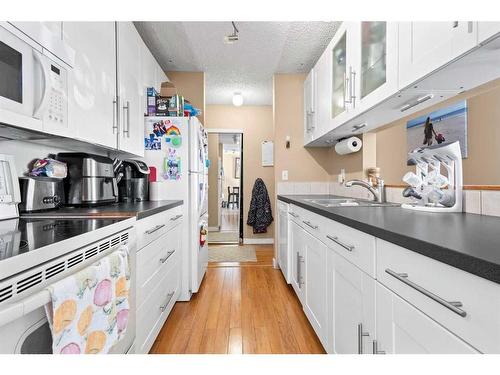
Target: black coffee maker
{"points": [[133, 185]]}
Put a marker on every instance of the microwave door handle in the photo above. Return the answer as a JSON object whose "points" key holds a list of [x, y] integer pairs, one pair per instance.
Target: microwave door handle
{"points": [[38, 112]]}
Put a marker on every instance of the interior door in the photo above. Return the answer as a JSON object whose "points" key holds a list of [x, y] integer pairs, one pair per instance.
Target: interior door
{"points": [[92, 85], [353, 308]]}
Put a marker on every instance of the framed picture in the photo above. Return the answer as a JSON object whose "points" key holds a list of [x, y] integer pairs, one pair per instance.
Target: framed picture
{"points": [[237, 167], [443, 126]]}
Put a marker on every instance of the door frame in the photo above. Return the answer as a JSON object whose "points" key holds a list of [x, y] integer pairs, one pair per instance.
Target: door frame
{"points": [[240, 132]]}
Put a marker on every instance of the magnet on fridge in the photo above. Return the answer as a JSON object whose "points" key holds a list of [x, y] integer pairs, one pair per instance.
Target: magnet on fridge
{"points": [[172, 165]]}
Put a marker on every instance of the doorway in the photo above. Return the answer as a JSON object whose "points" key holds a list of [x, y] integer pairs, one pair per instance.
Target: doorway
{"points": [[225, 193]]}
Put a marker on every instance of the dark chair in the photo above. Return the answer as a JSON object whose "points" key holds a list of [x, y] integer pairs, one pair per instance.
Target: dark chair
{"points": [[233, 198]]}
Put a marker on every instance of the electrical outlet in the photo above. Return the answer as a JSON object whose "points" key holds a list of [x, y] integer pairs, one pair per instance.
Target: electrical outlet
{"points": [[284, 175]]}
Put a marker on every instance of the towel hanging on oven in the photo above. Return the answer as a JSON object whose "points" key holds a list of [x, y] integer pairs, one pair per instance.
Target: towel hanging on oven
{"points": [[88, 312]]}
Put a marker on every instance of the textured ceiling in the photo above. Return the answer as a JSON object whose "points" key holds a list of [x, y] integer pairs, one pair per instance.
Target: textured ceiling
{"points": [[246, 66]]}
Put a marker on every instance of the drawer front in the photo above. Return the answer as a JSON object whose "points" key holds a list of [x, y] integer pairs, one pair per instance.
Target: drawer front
{"points": [[155, 260], [150, 229], [296, 213], [153, 313], [355, 246], [174, 217], [465, 304]]}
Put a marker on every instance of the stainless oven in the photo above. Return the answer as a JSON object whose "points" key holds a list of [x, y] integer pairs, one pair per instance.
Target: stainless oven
{"points": [[34, 89]]}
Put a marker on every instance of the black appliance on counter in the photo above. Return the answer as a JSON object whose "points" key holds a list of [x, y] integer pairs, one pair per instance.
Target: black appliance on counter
{"points": [[133, 185]]}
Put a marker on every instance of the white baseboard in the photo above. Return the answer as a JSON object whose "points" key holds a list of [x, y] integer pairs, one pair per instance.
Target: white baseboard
{"points": [[213, 229], [258, 241]]}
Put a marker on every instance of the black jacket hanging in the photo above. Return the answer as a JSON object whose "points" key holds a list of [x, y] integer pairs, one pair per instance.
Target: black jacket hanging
{"points": [[259, 213]]}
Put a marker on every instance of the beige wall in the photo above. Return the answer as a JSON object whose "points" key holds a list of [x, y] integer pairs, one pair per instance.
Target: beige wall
{"points": [[482, 165], [256, 122], [213, 199], [302, 164], [191, 85]]}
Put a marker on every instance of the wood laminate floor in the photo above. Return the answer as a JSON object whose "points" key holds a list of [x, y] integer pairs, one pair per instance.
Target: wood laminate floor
{"points": [[240, 308]]}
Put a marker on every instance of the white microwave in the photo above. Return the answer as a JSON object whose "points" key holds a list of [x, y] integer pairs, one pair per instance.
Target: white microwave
{"points": [[34, 89]]}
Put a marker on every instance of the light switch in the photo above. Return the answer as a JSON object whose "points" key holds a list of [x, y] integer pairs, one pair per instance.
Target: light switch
{"points": [[284, 175]]}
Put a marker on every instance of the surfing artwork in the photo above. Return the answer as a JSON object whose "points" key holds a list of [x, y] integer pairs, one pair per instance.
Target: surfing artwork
{"points": [[440, 127]]}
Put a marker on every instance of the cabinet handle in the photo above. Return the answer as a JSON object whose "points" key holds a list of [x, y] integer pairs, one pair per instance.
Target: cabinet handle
{"points": [[175, 217], [169, 298], [158, 227], [126, 108], [470, 27], [115, 115], [454, 24], [308, 223], [375, 348], [346, 85], [451, 305], [338, 242], [169, 254], [293, 214], [353, 86], [300, 259], [361, 334]]}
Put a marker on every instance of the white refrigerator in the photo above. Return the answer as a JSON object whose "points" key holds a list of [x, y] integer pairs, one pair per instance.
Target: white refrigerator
{"points": [[178, 148]]}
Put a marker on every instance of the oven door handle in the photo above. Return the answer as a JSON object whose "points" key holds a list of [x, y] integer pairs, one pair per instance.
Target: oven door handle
{"points": [[17, 310], [39, 111]]}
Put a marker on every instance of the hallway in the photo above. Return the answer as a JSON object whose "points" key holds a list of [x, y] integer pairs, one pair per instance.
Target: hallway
{"points": [[244, 308]]}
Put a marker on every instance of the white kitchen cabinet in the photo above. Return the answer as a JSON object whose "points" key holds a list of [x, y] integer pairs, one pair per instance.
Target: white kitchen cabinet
{"points": [[131, 111], [315, 301], [297, 260], [487, 30], [427, 46], [352, 309], [92, 85], [402, 329], [283, 242], [377, 69], [310, 106]]}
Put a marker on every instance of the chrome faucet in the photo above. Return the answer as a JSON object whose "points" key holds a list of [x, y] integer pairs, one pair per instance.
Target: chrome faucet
{"points": [[378, 193]]}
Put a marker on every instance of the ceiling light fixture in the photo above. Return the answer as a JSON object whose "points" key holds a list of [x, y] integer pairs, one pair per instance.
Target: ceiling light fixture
{"points": [[234, 37], [237, 99]]}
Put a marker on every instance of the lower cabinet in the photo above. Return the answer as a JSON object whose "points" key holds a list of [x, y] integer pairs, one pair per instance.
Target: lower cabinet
{"points": [[403, 329], [158, 284], [352, 311], [297, 255], [315, 297]]}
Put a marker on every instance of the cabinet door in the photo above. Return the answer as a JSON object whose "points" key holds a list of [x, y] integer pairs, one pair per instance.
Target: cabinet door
{"points": [[402, 329], [297, 259], [353, 308], [426, 46], [283, 256], [323, 74], [487, 30], [92, 84], [315, 302], [378, 68], [131, 111], [309, 107]]}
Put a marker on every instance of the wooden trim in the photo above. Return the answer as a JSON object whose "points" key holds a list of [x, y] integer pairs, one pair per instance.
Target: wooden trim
{"points": [[466, 187]]}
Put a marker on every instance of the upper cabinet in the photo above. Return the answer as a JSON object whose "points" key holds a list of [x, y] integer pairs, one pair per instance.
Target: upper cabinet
{"points": [[373, 73], [310, 106], [92, 86], [426, 46], [130, 90]]}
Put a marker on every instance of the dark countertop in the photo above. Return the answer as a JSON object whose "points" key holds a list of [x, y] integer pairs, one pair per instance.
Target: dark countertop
{"points": [[140, 210], [466, 241]]}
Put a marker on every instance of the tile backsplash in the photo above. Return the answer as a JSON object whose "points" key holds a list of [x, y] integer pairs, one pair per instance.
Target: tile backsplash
{"points": [[482, 202]]}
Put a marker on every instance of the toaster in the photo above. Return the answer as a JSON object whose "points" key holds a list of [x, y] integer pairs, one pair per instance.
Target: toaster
{"points": [[40, 193]]}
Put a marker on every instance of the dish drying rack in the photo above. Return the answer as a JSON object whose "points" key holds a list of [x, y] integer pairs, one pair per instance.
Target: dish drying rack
{"points": [[429, 163]]}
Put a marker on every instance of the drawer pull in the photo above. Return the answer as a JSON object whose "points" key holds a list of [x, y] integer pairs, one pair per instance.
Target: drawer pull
{"points": [[158, 227], [293, 214], [361, 334], [340, 243], [451, 305], [308, 223], [175, 217], [169, 254], [169, 298]]}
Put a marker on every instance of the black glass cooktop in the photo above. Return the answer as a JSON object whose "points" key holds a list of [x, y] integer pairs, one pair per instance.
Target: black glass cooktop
{"points": [[18, 236]]}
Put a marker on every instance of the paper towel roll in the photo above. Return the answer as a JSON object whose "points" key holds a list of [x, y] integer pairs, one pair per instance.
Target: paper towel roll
{"points": [[348, 146]]}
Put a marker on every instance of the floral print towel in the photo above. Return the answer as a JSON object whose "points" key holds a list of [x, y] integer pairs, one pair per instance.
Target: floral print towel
{"points": [[89, 310]]}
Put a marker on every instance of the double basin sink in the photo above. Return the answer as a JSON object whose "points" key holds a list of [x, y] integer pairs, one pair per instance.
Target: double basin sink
{"points": [[348, 202]]}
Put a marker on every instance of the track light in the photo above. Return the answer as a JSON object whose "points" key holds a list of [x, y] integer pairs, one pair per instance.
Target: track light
{"points": [[234, 37]]}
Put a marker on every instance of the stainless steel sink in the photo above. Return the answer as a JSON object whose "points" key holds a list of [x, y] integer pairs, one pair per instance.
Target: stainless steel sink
{"points": [[348, 202]]}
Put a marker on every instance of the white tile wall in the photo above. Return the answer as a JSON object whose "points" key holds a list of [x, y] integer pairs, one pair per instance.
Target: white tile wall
{"points": [[490, 202], [298, 188], [472, 201]]}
